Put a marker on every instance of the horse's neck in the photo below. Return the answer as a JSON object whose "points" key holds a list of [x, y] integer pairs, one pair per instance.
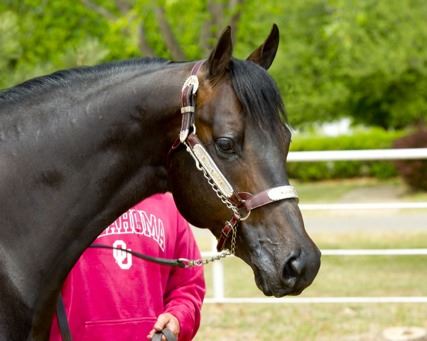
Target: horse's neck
{"points": [[109, 151], [106, 154]]}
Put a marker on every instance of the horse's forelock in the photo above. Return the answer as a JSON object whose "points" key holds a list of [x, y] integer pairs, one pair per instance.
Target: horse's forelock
{"points": [[257, 93]]}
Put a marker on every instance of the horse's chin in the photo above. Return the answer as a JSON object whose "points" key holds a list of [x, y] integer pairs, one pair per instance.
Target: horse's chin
{"points": [[270, 287]]}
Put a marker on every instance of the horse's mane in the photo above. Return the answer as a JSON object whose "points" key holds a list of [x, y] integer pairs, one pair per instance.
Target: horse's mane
{"points": [[255, 89], [64, 77], [258, 93]]}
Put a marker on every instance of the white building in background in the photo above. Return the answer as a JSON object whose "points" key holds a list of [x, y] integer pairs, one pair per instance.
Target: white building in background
{"points": [[340, 127]]}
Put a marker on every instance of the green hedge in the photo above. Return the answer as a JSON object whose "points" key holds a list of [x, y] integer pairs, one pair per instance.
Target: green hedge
{"points": [[366, 139]]}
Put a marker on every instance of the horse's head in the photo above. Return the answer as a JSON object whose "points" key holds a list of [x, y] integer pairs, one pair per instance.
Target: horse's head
{"points": [[237, 115]]}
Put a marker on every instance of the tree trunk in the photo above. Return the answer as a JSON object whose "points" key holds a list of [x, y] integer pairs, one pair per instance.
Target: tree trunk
{"points": [[170, 40]]}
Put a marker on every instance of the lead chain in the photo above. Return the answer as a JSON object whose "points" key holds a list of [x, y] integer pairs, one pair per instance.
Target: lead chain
{"points": [[204, 261], [211, 182], [224, 200]]}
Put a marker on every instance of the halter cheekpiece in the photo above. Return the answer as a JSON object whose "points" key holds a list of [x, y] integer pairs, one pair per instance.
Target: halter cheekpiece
{"points": [[240, 203]]}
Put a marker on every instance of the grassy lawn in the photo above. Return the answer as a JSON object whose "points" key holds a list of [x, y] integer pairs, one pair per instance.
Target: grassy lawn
{"points": [[321, 322], [338, 276], [339, 191]]}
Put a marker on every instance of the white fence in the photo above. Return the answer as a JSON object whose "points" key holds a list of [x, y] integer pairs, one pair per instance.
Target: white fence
{"points": [[371, 154], [377, 154]]}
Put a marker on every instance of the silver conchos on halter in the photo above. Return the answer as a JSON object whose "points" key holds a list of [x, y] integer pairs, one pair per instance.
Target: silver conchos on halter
{"points": [[192, 81]]}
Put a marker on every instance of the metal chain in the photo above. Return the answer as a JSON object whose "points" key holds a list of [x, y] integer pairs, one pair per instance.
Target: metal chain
{"points": [[215, 188], [204, 261], [233, 240]]}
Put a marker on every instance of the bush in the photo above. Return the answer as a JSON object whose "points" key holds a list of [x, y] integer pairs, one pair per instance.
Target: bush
{"points": [[369, 139], [414, 173]]}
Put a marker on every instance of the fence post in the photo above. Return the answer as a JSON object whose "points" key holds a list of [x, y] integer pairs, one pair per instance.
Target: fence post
{"points": [[217, 275]]}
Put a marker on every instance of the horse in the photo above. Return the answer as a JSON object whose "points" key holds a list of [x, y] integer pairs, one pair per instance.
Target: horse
{"points": [[81, 146]]}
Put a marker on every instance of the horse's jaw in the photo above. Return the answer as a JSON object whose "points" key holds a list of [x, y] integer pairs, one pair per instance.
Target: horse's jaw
{"points": [[283, 258]]}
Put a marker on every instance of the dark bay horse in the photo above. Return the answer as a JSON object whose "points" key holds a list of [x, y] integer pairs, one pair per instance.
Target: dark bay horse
{"points": [[79, 147]]}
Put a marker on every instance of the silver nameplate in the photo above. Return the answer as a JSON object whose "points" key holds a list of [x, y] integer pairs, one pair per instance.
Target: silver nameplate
{"points": [[282, 192], [211, 168]]}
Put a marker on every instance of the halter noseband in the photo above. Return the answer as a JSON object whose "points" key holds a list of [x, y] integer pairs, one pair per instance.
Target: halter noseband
{"points": [[241, 203]]}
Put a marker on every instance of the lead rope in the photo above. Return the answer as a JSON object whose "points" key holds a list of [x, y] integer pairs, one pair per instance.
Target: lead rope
{"points": [[61, 315], [178, 262], [166, 333]]}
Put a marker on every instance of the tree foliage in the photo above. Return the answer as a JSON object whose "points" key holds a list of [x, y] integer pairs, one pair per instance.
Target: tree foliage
{"points": [[361, 59]]}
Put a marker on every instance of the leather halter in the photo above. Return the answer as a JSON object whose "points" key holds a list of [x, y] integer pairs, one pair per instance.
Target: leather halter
{"points": [[241, 203]]}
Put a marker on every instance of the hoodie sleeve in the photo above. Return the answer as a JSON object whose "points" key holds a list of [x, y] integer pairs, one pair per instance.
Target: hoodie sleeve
{"points": [[185, 290]]}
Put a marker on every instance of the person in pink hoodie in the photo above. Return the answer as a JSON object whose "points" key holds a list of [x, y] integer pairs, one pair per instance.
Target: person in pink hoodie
{"points": [[111, 295]]}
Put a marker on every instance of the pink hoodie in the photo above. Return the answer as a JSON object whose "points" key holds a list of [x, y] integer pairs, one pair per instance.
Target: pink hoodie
{"points": [[112, 295]]}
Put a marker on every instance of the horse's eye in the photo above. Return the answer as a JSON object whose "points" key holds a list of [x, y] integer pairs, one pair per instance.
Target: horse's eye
{"points": [[225, 145]]}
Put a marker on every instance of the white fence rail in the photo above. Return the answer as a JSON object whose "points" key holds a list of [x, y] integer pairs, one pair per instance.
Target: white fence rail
{"points": [[361, 206], [369, 154], [377, 154], [310, 300]]}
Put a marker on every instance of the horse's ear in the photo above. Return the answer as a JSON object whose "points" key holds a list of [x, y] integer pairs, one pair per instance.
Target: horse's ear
{"points": [[264, 55], [220, 57]]}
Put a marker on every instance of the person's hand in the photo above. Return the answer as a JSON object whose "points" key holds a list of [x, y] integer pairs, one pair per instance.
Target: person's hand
{"points": [[165, 320]]}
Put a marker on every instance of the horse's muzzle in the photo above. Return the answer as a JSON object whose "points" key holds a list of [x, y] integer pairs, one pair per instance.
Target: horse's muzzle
{"points": [[299, 270], [278, 274]]}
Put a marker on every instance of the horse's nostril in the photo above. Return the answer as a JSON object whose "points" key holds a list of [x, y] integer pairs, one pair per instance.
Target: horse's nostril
{"points": [[292, 270]]}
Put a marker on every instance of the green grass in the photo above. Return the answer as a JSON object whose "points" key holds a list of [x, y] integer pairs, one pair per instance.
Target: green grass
{"points": [[348, 275], [342, 276], [338, 276], [373, 240], [320, 322], [334, 191], [329, 191]]}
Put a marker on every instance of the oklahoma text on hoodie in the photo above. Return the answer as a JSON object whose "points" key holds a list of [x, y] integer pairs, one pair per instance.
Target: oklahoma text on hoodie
{"points": [[111, 295]]}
